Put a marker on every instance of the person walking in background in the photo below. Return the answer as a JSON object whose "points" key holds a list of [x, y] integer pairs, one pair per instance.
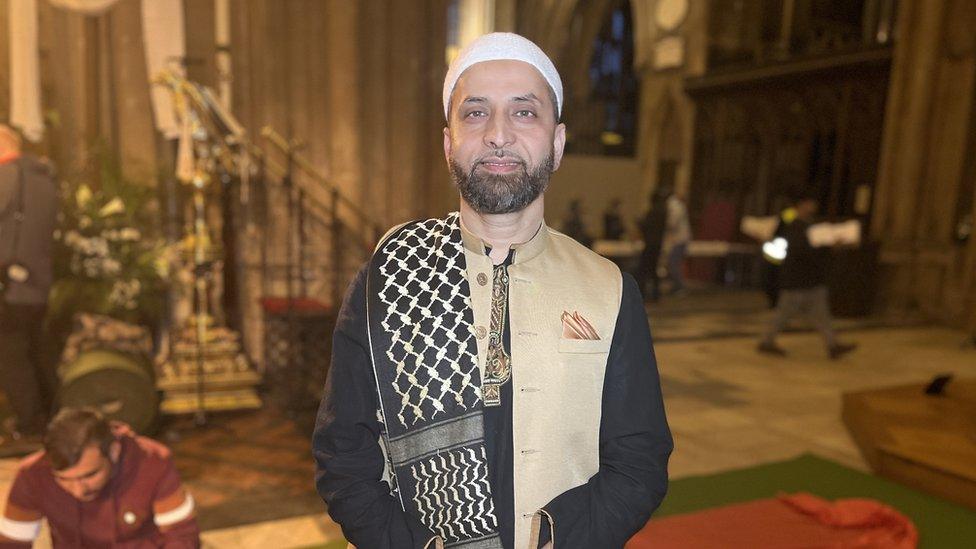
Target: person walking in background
{"points": [[803, 282], [771, 263], [613, 223], [28, 207], [573, 225], [652, 227], [676, 238]]}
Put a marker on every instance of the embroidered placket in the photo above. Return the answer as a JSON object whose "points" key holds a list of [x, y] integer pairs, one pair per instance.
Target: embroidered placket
{"points": [[498, 369]]}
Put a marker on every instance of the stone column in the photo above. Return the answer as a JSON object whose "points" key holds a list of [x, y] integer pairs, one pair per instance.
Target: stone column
{"points": [[929, 120]]}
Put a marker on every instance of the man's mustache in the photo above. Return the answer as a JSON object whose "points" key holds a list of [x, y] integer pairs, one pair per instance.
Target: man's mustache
{"points": [[501, 153]]}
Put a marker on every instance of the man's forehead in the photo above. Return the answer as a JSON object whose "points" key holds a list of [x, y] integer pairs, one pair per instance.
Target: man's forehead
{"points": [[502, 76], [91, 461]]}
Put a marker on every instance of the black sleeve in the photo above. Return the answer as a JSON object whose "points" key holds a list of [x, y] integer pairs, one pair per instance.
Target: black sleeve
{"points": [[348, 459], [635, 443]]}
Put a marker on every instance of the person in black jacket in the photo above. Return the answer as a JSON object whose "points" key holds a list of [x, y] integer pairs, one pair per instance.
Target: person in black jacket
{"points": [[613, 224], [28, 207], [803, 283], [652, 227]]}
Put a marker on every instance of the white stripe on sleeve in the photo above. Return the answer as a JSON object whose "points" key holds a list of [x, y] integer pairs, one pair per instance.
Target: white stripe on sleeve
{"points": [[176, 515], [19, 530]]}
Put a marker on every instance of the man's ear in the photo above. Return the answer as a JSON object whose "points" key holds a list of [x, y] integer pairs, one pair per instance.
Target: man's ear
{"points": [[447, 144], [558, 144]]}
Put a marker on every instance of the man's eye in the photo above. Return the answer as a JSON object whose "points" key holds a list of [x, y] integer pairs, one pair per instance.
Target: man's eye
{"points": [[525, 113], [474, 114]]}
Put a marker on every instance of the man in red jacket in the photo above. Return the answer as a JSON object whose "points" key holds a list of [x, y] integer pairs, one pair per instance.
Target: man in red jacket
{"points": [[98, 487]]}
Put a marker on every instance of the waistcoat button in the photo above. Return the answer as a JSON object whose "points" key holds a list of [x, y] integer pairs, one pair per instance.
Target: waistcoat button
{"points": [[480, 332], [482, 279]]}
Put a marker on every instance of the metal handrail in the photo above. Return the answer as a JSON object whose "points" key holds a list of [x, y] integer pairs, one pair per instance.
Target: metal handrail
{"points": [[306, 166], [278, 171]]}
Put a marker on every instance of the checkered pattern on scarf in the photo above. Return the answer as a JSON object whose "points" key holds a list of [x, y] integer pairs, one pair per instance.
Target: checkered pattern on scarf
{"points": [[440, 479], [426, 309]]}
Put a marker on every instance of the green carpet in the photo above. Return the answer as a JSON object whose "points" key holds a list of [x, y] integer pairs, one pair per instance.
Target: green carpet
{"points": [[941, 525]]}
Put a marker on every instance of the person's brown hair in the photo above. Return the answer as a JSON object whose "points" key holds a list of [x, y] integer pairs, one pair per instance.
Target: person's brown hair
{"points": [[71, 432]]}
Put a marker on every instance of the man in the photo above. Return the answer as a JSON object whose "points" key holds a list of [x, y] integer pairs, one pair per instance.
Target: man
{"points": [[492, 381], [772, 262], [573, 225], [613, 222], [803, 281], [652, 227], [676, 240], [28, 207], [98, 486]]}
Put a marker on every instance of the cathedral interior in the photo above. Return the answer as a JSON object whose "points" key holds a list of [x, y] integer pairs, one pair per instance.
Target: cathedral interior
{"points": [[240, 159]]}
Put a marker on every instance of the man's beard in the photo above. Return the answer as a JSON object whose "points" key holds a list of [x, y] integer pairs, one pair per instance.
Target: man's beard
{"points": [[490, 193]]}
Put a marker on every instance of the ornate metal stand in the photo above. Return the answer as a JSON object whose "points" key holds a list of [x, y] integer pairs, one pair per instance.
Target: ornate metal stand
{"points": [[206, 369]]}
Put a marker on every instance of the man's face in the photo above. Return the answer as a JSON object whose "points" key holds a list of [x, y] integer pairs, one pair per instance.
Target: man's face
{"points": [[85, 479], [503, 140]]}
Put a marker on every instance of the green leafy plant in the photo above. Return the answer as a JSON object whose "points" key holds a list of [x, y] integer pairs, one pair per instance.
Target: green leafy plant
{"points": [[109, 259]]}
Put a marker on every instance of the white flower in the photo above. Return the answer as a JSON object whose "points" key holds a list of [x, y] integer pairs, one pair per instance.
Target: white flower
{"points": [[124, 293], [83, 196], [130, 234], [91, 267], [111, 267], [115, 206], [99, 246]]}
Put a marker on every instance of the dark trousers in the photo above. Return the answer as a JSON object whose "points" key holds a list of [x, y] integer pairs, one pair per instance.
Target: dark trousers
{"points": [[815, 302], [27, 373], [771, 283], [647, 271]]}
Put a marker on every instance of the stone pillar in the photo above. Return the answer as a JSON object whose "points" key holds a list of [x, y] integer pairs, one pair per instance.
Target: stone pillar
{"points": [[926, 150]]}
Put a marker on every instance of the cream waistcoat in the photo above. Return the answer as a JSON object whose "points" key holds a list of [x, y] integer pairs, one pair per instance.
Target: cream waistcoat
{"points": [[557, 383]]}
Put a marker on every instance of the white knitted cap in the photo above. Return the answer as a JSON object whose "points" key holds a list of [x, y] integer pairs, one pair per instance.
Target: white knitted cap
{"points": [[497, 46]]}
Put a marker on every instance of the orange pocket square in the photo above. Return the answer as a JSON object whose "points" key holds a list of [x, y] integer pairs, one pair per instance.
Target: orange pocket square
{"points": [[577, 327]]}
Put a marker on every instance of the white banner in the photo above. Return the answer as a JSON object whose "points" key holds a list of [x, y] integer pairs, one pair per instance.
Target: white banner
{"points": [[87, 7], [25, 76], [165, 45]]}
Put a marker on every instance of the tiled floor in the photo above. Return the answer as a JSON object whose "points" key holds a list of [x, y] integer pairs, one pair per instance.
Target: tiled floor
{"points": [[728, 406]]}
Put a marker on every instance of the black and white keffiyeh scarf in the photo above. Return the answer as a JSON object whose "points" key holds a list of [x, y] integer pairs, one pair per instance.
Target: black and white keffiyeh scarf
{"points": [[425, 360]]}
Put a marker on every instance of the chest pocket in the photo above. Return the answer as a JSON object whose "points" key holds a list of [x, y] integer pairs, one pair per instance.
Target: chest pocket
{"points": [[584, 346], [581, 359]]}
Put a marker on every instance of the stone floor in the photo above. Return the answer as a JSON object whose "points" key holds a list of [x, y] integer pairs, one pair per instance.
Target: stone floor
{"points": [[728, 406]]}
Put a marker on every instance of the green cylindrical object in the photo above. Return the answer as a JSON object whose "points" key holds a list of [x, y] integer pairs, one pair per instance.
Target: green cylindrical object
{"points": [[121, 385]]}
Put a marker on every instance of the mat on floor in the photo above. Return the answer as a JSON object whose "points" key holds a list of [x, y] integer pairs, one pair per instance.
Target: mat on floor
{"points": [[940, 524], [799, 521]]}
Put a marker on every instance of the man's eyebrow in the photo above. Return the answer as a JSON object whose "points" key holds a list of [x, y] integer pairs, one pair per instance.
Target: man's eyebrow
{"points": [[81, 476], [475, 99], [528, 97]]}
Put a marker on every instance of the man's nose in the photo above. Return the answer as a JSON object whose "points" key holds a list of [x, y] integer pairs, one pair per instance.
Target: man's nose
{"points": [[78, 487], [499, 132]]}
